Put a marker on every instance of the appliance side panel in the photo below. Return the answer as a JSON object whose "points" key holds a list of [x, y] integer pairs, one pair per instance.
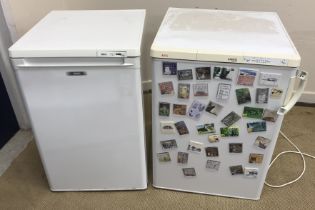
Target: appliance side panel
{"points": [[169, 175], [89, 127]]}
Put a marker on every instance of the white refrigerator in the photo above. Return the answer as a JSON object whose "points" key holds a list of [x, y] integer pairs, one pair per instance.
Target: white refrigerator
{"points": [[222, 82], [79, 73]]}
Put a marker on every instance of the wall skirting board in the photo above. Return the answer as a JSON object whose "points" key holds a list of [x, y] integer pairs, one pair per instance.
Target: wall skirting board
{"points": [[308, 97]]}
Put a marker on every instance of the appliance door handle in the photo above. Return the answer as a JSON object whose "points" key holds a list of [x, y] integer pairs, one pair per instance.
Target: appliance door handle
{"points": [[27, 65], [71, 62], [302, 76]]}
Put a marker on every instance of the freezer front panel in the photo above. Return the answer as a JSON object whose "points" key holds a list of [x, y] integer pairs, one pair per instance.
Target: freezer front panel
{"points": [[88, 123], [200, 161]]}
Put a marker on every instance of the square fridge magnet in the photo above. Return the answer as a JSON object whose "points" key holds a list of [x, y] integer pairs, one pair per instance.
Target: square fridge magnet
{"points": [[169, 68], [167, 127], [164, 109], [213, 108], [224, 73], [212, 151], [203, 73], [255, 158], [185, 74], [246, 77], [183, 91], [262, 95], [230, 119], [223, 92], [250, 172], [262, 142], [213, 164], [200, 89], [169, 144], [179, 109], [243, 95], [182, 157], [166, 88], [256, 126], [164, 157], [269, 79], [235, 170], [189, 171], [276, 93], [270, 115], [195, 109], [195, 146], [181, 128]]}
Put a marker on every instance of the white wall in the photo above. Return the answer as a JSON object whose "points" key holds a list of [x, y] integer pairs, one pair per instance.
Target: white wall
{"points": [[297, 16]]}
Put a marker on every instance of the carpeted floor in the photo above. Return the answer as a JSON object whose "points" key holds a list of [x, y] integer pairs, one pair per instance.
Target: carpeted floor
{"points": [[24, 185]]}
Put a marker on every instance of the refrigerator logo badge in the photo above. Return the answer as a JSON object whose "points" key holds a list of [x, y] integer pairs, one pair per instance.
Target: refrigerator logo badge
{"points": [[164, 55], [232, 60]]}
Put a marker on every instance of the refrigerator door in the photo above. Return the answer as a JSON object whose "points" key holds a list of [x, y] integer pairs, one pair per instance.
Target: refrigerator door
{"points": [[87, 117], [220, 181]]}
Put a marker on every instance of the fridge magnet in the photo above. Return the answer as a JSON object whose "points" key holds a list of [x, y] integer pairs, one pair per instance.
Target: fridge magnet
{"points": [[179, 109], [256, 126], [246, 77], [235, 147], [169, 68], [206, 128], [181, 128], [195, 146], [269, 79], [223, 92], [182, 157], [213, 108], [200, 89], [270, 115], [250, 172], [166, 88], [167, 127], [164, 157], [262, 95], [183, 90], [262, 142], [212, 151], [169, 144], [213, 138], [195, 109], [255, 158], [235, 170], [185, 74], [229, 131], [189, 171], [213, 164], [224, 73], [164, 109], [230, 119], [276, 93], [243, 95], [253, 112], [203, 73]]}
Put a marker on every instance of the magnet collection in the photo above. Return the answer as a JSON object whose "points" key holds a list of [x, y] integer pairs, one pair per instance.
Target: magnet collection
{"points": [[193, 83]]}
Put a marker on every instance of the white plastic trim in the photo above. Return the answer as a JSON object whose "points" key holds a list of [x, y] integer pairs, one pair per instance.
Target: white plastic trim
{"points": [[302, 76]]}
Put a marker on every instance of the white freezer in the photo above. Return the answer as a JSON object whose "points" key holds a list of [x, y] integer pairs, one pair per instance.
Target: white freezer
{"points": [[183, 37], [86, 108]]}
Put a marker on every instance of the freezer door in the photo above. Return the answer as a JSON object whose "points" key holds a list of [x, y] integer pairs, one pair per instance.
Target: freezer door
{"points": [[88, 122], [207, 179]]}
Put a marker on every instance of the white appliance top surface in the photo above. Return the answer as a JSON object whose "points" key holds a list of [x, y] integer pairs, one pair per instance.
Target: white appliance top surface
{"points": [[214, 34], [75, 33]]}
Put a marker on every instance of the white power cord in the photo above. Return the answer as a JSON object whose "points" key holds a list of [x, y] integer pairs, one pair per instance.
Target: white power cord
{"points": [[302, 154]]}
